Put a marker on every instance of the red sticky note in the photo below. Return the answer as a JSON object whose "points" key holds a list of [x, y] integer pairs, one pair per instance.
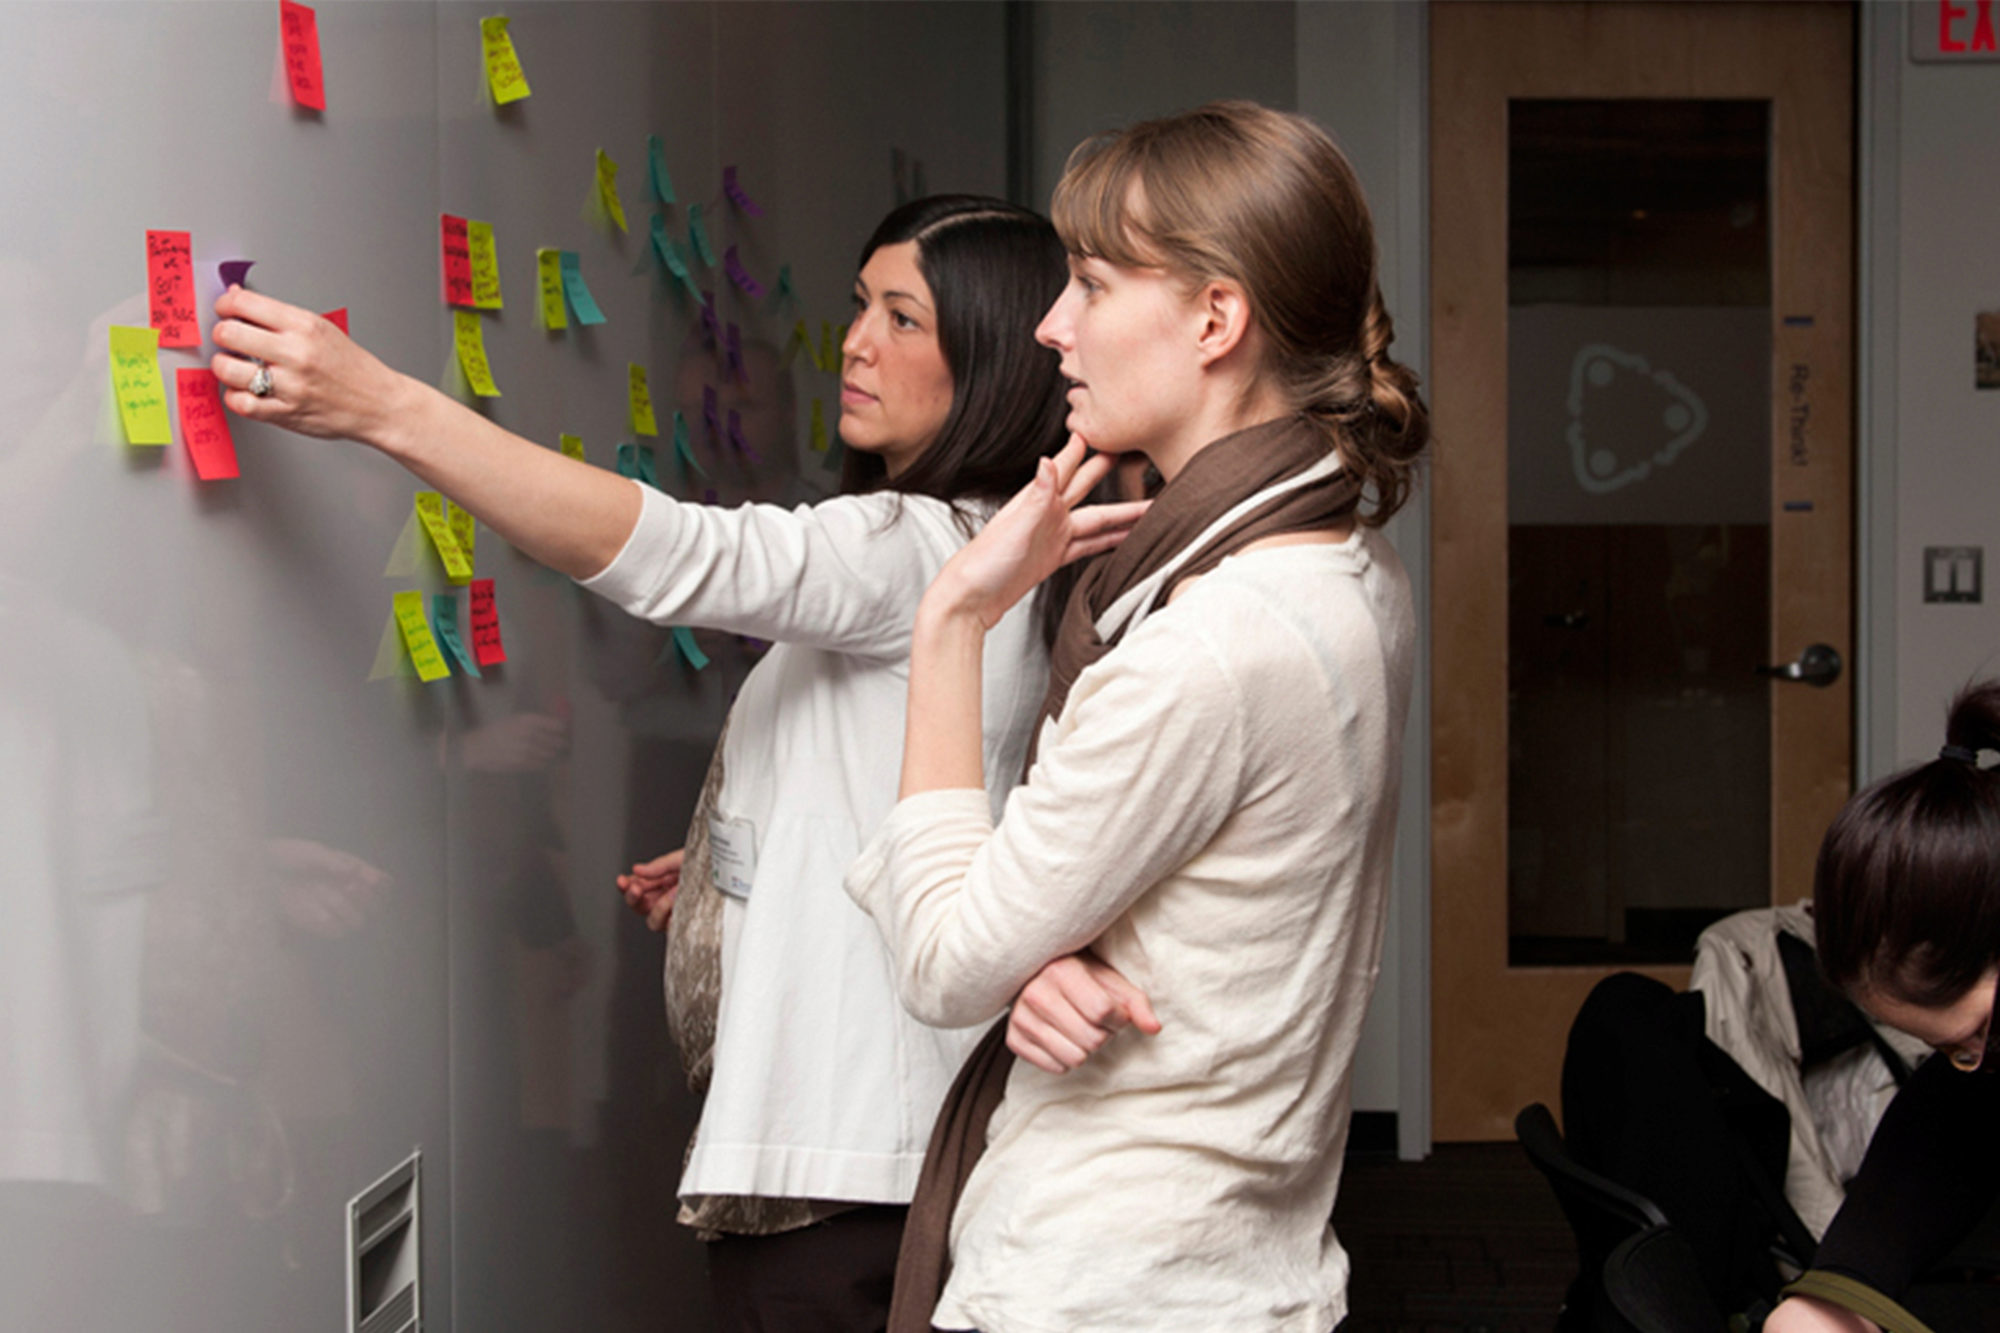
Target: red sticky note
{"points": [[301, 41], [486, 625], [170, 287], [204, 426], [338, 318], [457, 260]]}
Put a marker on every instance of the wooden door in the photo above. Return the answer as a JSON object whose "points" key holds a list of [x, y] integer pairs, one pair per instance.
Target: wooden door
{"points": [[1642, 493]]}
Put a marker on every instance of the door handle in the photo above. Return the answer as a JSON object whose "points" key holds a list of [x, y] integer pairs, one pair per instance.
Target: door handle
{"points": [[1818, 665]]}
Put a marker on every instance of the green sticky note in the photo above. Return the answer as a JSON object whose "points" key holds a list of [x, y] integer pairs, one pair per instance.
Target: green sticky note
{"points": [[484, 254], [681, 450], [698, 236], [417, 638], [572, 447], [607, 190], [503, 64], [574, 287], [464, 529], [430, 512], [549, 279], [444, 618], [684, 640], [639, 400], [137, 384], [656, 166], [469, 336]]}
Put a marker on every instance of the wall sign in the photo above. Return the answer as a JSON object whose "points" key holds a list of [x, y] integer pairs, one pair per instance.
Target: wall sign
{"points": [[1955, 30]]}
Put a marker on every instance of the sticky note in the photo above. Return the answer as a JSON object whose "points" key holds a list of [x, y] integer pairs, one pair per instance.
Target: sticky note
{"points": [[636, 461], [798, 339], [444, 619], [430, 513], [457, 257], [471, 339], [682, 453], [732, 343], [204, 425], [464, 530], [736, 193], [486, 646], [698, 236], [818, 426], [417, 640], [709, 326], [736, 439], [709, 416], [740, 275], [684, 640], [136, 383], [548, 279], [299, 28], [649, 471], [640, 399], [656, 169], [390, 658], [607, 190], [484, 260], [578, 292], [170, 288], [786, 295], [670, 255], [503, 64], [235, 272], [829, 354], [337, 318], [572, 447]]}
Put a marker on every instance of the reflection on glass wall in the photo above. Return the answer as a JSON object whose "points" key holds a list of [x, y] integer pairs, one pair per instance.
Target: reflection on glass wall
{"points": [[1639, 403]]}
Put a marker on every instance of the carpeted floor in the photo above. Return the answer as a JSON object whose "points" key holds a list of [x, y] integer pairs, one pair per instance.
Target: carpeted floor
{"points": [[1470, 1239]]}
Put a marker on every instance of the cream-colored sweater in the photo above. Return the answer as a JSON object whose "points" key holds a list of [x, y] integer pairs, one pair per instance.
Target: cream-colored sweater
{"points": [[1213, 813]]}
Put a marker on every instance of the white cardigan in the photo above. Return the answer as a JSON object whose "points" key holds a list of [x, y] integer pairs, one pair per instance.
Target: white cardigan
{"points": [[1213, 813], [824, 1087]]}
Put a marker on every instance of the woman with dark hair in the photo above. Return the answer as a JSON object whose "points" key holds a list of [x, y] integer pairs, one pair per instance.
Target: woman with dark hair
{"points": [[823, 1088], [1906, 909], [1201, 849]]}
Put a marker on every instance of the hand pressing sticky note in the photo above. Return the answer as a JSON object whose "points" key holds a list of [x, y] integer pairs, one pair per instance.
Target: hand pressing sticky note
{"points": [[486, 645], [417, 640], [470, 336], [572, 447], [641, 397], [578, 292], [430, 513], [136, 384], [548, 279], [444, 618], [299, 32], [504, 75], [204, 426], [607, 190], [483, 258], [455, 248], [170, 288]]}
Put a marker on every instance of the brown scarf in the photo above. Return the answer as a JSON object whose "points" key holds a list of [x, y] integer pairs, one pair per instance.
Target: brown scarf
{"points": [[1214, 482]]}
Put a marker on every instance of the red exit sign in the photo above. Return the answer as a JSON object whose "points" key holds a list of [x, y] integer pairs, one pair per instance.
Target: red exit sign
{"points": [[1955, 30]]}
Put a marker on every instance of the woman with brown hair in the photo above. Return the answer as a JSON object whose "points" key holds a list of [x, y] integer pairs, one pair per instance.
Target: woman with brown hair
{"points": [[1202, 845]]}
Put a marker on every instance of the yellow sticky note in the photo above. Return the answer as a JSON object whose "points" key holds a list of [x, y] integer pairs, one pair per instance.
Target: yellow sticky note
{"points": [[548, 272], [464, 530], [471, 338], [642, 400], [503, 66], [136, 383], [572, 447], [607, 189], [430, 512], [417, 639], [485, 257]]}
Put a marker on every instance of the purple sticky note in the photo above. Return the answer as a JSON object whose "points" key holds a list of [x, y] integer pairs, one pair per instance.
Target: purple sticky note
{"points": [[736, 195], [235, 272], [740, 275], [709, 415], [736, 439], [733, 344]]}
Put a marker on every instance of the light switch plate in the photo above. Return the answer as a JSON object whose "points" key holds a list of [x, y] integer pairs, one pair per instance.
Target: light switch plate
{"points": [[1953, 573]]}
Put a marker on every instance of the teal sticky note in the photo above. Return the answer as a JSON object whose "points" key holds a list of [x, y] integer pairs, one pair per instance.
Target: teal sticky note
{"points": [[682, 452], [648, 470], [656, 168], [671, 256], [580, 300], [444, 620], [698, 236], [628, 461], [784, 296], [684, 640]]}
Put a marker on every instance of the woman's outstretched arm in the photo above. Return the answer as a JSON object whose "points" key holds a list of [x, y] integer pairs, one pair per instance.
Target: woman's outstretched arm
{"points": [[570, 516]]}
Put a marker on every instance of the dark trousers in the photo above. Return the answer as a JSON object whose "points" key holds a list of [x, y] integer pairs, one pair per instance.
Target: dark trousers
{"points": [[831, 1277]]}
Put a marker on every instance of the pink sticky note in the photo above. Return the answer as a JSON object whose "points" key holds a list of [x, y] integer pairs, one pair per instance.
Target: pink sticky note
{"points": [[170, 287], [203, 425], [457, 260], [338, 318], [301, 41], [486, 644]]}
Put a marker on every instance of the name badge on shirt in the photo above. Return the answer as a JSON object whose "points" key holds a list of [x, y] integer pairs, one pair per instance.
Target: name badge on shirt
{"points": [[732, 855]]}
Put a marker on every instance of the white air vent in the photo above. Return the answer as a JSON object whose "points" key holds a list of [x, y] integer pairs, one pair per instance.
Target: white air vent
{"points": [[384, 1254]]}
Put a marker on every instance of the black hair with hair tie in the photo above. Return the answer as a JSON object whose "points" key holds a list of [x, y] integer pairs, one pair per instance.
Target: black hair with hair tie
{"points": [[1960, 753]]}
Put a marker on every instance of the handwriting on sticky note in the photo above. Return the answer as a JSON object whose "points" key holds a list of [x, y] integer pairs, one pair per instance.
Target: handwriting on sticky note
{"points": [[548, 279], [417, 639], [337, 318], [456, 252], [641, 398], [739, 275], [431, 513], [204, 425], [136, 383], [170, 288], [737, 194], [572, 447], [818, 426], [299, 31], [578, 292], [483, 258], [464, 530], [486, 645], [470, 336], [698, 236], [607, 190], [656, 167], [684, 640], [444, 617], [503, 64]]}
